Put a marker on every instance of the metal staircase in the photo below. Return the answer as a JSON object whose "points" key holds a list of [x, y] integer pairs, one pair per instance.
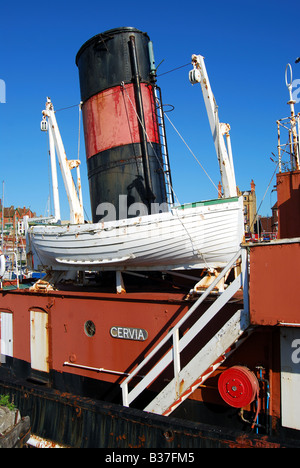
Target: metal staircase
{"points": [[191, 360]]}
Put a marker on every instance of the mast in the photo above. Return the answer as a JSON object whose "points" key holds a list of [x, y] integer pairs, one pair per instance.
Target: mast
{"points": [[55, 142], [218, 130], [55, 192], [2, 227], [294, 143], [290, 126]]}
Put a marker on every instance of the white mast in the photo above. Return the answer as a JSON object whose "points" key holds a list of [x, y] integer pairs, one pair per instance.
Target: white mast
{"points": [[55, 142], [2, 227], [54, 177], [218, 130], [294, 137]]}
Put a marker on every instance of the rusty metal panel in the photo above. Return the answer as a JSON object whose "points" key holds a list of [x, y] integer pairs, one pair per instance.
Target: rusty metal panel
{"points": [[85, 423], [288, 194], [70, 312], [274, 282], [39, 340]]}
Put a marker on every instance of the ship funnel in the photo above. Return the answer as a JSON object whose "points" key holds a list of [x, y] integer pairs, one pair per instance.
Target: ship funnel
{"points": [[121, 126]]}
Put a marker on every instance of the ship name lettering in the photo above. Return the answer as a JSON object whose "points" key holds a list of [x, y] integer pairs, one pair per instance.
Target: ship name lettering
{"points": [[128, 333]]}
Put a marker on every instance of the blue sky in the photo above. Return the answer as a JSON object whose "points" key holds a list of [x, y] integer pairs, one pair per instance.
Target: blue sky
{"points": [[246, 45]]}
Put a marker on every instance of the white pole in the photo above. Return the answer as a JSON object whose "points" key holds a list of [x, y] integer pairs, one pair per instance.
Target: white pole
{"points": [[76, 210], [2, 232], [225, 165], [54, 176], [298, 155]]}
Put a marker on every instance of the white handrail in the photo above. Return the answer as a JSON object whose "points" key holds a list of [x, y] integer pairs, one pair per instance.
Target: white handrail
{"points": [[179, 345]]}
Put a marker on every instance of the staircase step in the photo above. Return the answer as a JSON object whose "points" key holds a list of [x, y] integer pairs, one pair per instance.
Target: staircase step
{"points": [[201, 366], [202, 362]]}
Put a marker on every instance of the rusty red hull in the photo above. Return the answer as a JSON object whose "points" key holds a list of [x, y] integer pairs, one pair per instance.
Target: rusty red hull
{"points": [[93, 340], [112, 342], [92, 346], [288, 195], [85, 423]]}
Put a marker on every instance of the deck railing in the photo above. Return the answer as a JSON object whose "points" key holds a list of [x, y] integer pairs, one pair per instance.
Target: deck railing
{"points": [[179, 344]]}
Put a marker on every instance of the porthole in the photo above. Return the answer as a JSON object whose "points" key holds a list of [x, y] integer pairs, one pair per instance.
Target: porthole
{"points": [[89, 328]]}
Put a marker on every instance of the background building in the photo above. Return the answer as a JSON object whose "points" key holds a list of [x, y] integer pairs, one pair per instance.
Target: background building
{"points": [[12, 228], [250, 215]]}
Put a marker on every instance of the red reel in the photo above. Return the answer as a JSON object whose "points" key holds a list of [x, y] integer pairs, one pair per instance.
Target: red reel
{"points": [[238, 386]]}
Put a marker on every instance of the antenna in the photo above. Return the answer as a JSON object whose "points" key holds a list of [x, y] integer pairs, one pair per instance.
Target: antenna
{"points": [[289, 85], [293, 146]]}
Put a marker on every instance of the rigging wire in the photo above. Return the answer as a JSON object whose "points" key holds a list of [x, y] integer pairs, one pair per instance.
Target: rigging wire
{"points": [[194, 247], [191, 151], [174, 69], [78, 185], [164, 112], [112, 91], [79, 125], [257, 211], [131, 135], [65, 108], [134, 109]]}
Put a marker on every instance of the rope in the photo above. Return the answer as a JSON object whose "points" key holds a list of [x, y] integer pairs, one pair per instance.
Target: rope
{"points": [[131, 135], [79, 124], [159, 162], [64, 108], [195, 249], [174, 69], [191, 152]]}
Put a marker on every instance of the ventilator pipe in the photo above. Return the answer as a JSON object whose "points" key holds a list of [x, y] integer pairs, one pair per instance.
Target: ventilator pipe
{"points": [[255, 423], [267, 383], [241, 414], [255, 420]]}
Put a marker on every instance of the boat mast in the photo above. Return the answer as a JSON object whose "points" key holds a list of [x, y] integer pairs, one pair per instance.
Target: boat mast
{"points": [[54, 176], [2, 227], [294, 142], [218, 130], [290, 126]]}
